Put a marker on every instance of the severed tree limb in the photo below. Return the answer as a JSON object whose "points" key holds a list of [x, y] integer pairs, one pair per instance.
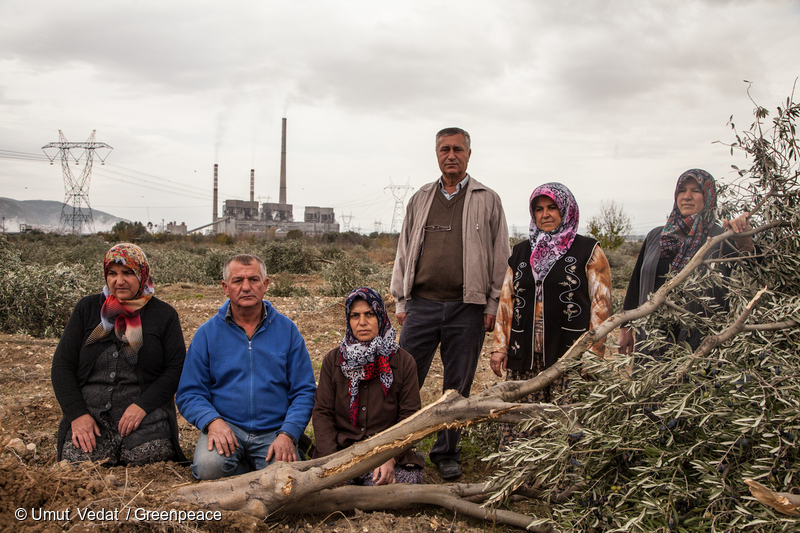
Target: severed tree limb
{"points": [[401, 496], [266, 491], [735, 259], [712, 341], [772, 326]]}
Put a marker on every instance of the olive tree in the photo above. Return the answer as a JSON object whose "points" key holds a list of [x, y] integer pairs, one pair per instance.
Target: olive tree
{"points": [[611, 226]]}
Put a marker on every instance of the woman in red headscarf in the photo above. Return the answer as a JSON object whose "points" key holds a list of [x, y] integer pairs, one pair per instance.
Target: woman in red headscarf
{"points": [[116, 369]]}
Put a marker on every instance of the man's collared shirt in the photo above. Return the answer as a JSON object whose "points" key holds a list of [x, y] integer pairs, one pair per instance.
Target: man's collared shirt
{"points": [[461, 185], [229, 316]]}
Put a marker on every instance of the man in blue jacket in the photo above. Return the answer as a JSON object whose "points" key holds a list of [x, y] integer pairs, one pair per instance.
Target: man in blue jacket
{"points": [[247, 382]]}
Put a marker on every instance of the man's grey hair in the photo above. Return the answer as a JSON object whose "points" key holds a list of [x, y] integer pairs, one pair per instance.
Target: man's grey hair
{"points": [[447, 132], [243, 259]]}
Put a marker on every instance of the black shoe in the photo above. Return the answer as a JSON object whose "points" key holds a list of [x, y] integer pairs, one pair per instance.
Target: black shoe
{"points": [[449, 468]]}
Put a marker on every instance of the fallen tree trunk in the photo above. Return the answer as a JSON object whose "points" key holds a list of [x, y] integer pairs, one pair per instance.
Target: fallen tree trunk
{"points": [[289, 485]]}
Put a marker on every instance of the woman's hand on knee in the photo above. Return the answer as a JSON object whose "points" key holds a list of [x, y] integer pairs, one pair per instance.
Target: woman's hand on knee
{"points": [[130, 420], [84, 430], [384, 474]]}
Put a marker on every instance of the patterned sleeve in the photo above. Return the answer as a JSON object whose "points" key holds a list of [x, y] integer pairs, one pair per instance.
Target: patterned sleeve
{"points": [[505, 310], [598, 273]]}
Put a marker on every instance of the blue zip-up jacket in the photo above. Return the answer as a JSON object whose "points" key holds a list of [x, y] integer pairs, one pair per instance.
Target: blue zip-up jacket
{"points": [[261, 384]]}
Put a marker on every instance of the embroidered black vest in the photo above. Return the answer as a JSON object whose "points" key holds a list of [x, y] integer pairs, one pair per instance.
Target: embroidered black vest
{"points": [[567, 305]]}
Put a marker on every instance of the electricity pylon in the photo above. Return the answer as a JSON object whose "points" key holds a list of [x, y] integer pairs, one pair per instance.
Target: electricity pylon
{"points": [[399, 192], [76, 213], [346, 221]]}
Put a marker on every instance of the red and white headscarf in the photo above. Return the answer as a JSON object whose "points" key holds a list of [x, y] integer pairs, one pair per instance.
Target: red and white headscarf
{"points": [[122, 316], [547, 247], [366, 360]]}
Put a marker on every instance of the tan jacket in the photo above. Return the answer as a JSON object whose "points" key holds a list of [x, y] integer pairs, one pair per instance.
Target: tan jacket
{"points": [[485, 238]]}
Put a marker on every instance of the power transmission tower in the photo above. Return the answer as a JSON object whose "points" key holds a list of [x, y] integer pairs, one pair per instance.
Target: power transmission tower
{"points": [[346, 221], [76, 213], [378, 226], [399, 192]]}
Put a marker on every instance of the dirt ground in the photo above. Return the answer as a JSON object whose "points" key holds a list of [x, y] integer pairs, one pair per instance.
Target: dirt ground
{"points": [[39, 494]]}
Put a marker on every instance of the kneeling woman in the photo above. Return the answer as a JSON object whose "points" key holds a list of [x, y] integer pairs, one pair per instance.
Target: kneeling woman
{"points": [[116, 369], [367, 384]]}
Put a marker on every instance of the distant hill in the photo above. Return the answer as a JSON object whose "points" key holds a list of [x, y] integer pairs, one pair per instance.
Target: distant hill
{"points": [[45, 215]]}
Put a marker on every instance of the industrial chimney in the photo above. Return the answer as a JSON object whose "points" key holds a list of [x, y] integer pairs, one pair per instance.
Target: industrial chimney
{"points": [[252, 184], [216, 187], [283, 163]]}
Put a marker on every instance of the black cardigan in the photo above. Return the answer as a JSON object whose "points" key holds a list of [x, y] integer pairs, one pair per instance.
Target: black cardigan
{"points": [[158, 368], [650, 272]]}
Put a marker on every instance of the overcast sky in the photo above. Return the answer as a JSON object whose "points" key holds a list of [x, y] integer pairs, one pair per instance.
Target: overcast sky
{"points": [[612, 98]]}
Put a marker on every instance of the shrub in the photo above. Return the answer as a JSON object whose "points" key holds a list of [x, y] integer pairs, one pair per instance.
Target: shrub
{"points": [[288, 255], [356, 270], [331, 252], [38, 299], [213, 263], [622, 261], [285, 287], [174, 266]]}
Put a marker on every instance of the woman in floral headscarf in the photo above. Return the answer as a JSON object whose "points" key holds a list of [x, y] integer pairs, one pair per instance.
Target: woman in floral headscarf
{"points": [[116, 369], [668, 248], [367, 384], [557, 286]]}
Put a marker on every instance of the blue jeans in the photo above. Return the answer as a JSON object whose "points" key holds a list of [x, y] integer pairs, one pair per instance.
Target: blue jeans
{"points": [[457, 328], [250, 455]]}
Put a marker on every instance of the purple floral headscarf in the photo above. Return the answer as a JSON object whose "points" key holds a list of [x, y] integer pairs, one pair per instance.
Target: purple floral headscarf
{"points": [[547, 247]]}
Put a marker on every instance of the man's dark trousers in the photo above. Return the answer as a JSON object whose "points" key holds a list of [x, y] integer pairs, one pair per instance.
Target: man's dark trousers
{"points": [[458, 327]]}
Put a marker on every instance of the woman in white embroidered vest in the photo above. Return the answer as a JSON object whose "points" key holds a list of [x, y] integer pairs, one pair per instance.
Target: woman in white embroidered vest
{"points": [[557, 286]]}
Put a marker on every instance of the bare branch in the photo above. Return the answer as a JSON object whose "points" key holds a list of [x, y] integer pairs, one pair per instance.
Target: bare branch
{"points": [[773, 326], [735, 259], [712, 341], [401, 496]]}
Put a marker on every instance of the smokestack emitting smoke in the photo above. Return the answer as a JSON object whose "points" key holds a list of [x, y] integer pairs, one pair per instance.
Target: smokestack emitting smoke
{"points": [[252, 184], [216, 184], [283, 163]]}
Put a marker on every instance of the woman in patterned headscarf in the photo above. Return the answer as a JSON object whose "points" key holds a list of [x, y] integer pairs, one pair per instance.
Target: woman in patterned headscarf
{"points": [[116, 369], [557, 286], [367, 384], [667, 249]]}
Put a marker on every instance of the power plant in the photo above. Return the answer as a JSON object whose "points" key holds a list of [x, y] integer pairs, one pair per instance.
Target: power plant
{"points": [[246, 218]]}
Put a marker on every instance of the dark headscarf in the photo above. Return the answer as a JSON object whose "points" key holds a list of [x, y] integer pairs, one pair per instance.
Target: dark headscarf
{"points": [[122, 316], [683, 236], [547, 247], [367, 360]]}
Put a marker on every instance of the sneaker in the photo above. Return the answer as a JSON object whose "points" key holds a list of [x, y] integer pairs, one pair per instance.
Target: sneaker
{"points": [[449, 468]]}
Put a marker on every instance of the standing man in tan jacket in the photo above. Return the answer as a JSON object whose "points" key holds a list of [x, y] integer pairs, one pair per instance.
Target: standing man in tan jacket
{"points": [[451, 260]]}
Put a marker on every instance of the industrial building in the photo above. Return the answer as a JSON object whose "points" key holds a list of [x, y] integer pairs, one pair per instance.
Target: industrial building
{"points": [[247, 218]]}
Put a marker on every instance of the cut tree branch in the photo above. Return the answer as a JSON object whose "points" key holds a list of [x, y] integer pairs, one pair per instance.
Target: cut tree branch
{"points": [[402, 496]]}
